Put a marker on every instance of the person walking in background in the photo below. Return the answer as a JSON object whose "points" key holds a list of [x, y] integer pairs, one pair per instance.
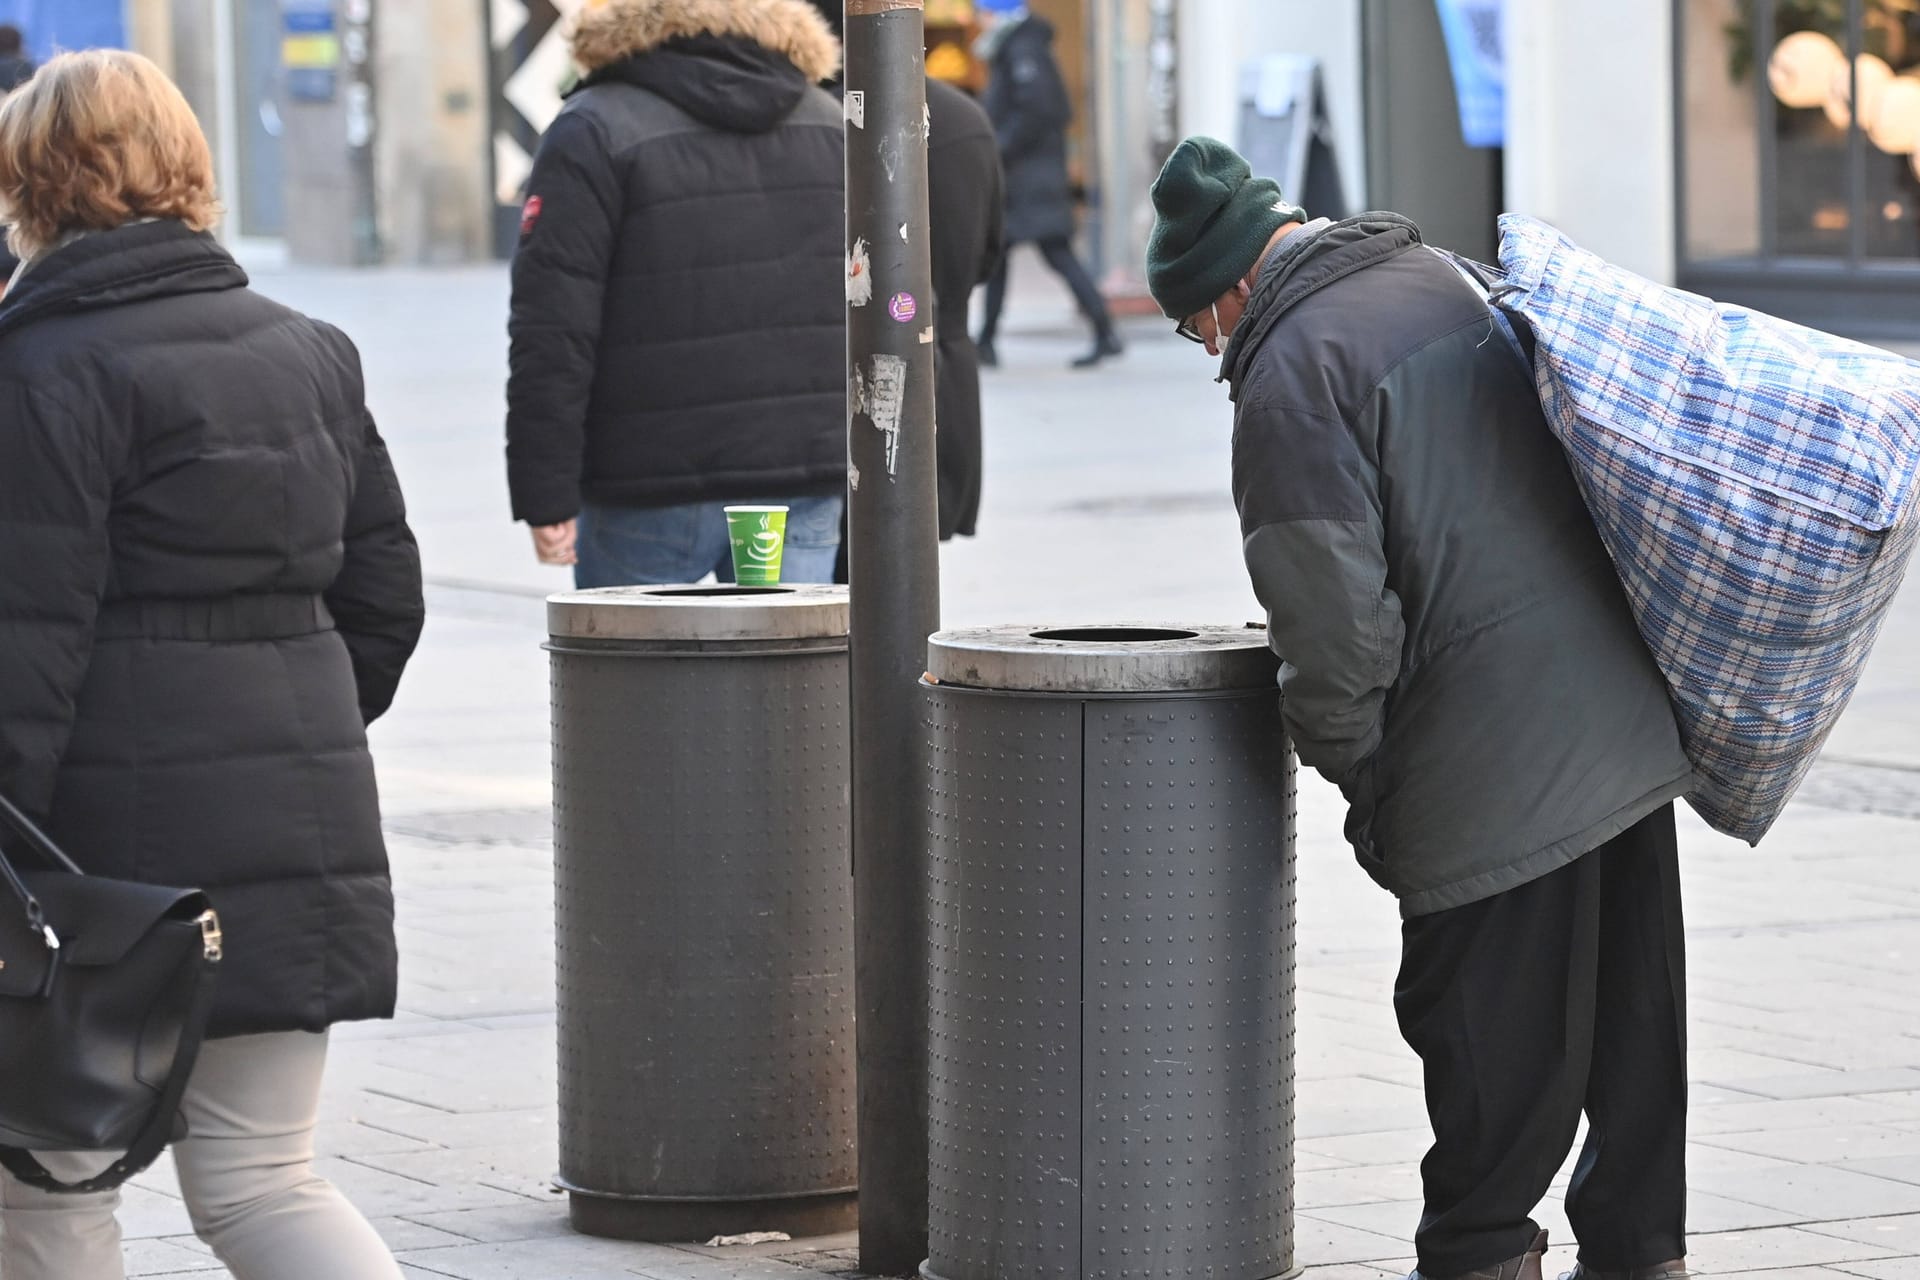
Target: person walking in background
{"points": [[1027, 101], [16, 68], [1459, 657], [208, 589], [966, 202], [965, 206], [679, 295]]}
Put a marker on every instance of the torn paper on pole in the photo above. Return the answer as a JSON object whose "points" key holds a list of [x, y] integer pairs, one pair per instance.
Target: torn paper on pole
{"points": [[882, 396]]}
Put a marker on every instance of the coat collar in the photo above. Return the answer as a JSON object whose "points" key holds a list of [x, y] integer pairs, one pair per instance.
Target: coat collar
{"points": [[1335, 253], [129, 264]]}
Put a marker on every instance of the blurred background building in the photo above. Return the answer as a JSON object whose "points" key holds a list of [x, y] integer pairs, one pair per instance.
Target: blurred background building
{"points": [[1758, 150]]}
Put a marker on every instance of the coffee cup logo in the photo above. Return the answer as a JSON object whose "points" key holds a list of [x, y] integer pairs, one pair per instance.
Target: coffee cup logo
{"points": [[764, 546]]}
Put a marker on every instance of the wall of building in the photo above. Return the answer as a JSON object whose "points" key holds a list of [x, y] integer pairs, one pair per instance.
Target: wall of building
{"points": [[1590, 125], [431, 162], [1218, 37]]}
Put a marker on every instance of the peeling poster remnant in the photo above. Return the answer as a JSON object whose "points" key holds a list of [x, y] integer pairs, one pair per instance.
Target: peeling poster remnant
{"points": [[884, 397], [859, 275], [857, 108]]}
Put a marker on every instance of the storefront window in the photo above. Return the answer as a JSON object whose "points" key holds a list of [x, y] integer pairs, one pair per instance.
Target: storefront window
{"points": [[1802, 120]]}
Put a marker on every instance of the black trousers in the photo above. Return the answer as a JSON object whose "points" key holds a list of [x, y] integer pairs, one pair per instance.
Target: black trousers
{"points": [[1059, 255], [1563, 995]]}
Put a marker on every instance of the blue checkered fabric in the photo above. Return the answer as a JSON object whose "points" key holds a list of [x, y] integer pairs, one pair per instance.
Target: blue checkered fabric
{"points": [[1755, 482]]}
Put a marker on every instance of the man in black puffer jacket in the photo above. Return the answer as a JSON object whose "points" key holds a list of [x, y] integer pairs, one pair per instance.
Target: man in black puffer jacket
{"points": [[1459, 657], [679, 296]]}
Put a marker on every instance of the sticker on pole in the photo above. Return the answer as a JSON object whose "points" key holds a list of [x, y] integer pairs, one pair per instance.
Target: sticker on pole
{"points": [[902, 307]]}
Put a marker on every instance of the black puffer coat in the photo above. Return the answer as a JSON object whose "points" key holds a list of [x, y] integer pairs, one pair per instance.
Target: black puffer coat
{"points": [[966, 231], [1027, 100], [679, 292], [207, 587]]}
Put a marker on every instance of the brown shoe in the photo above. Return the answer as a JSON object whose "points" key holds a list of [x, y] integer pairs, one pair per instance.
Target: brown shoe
{"points": [[1675, 1270], [1524, 1267]]}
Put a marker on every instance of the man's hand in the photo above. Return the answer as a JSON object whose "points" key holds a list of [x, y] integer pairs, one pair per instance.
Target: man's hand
{"points": [[554, 543]]}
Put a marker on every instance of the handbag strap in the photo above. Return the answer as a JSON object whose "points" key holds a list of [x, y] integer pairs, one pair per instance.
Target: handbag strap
{"points": [[17, 822], [158, 1132]]}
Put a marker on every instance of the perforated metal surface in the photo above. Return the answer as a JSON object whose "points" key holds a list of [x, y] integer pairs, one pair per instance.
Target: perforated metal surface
{"points": [[1113, 963], [1189, 962], [1004, 1107], [705, 944]]}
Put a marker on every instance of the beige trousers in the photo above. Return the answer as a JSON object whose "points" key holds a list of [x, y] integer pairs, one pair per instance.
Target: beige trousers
{"points": [[246, 1170]]}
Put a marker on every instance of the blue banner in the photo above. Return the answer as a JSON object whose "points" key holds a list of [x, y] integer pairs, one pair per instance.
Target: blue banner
{"points": [[51, 26], [1475, 52]]}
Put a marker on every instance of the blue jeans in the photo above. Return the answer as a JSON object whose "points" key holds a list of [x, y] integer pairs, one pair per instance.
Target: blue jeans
{"points": [[634, 546]]}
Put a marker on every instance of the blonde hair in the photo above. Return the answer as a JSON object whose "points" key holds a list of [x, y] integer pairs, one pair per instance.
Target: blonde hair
{"points": [[94, 141]]}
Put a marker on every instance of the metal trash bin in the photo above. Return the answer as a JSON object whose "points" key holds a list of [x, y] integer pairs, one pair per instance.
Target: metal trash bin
{"points": [[704, 910], [1112, 819]]}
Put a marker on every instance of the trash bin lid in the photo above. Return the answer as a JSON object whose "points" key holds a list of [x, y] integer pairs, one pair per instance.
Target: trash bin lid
{"points": [[722, 612], [1123, 658]]}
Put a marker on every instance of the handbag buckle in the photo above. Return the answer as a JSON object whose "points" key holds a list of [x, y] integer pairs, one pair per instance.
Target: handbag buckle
{"points": [[210, 936]]}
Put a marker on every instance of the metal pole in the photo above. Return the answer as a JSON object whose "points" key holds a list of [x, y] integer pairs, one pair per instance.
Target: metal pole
{"points": [[894, 565]]}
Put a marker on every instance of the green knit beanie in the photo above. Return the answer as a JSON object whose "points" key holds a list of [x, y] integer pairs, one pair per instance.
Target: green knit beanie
{"points": [[1212, 218]]}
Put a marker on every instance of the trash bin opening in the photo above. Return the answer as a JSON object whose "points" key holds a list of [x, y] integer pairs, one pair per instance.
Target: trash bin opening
{"points": [[1116, 635], [722, 591]]}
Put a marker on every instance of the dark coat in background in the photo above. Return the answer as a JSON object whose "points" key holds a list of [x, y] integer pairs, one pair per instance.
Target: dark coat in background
{"points": [[965, 199], [679, 294], [1027, 101], [15, 70], [207, 589], [1457, 652]]}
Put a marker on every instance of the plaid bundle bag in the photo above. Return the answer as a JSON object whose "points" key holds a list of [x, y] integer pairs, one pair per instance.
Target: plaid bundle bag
{"points": [[1755, 483]]}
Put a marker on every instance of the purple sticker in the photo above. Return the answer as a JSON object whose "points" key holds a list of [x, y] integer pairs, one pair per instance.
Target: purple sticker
{"points": [[902, 307]]}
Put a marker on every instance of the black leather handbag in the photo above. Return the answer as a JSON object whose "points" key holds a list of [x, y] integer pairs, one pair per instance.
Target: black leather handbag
{"points": [[105, 990]]}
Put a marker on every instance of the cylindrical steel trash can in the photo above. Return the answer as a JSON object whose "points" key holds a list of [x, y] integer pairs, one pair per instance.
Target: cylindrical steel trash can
{"points": [[704, 911], [1112, 820]]}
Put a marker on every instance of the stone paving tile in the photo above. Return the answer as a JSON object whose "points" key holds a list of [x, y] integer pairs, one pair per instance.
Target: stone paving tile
{"points": [[1776, 1248], [1820, 1194], [1708, 1123], [1894, 1168], [1317, 1241], [1826, 1084], [1784, 1273], [1900, 1233], [507, 1225], [169, 1258], [1890, 1269], [1830, 1144], [574, 1258]]}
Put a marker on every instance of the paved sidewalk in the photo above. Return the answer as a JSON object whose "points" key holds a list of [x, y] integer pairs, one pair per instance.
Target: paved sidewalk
{"points": [[1805, 960]]}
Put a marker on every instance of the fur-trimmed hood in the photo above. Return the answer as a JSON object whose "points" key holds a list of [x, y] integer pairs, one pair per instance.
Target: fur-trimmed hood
{"points": [[620, 29]]}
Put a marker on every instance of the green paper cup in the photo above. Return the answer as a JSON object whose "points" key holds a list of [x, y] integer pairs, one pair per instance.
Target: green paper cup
{"points": [[759, 536]]}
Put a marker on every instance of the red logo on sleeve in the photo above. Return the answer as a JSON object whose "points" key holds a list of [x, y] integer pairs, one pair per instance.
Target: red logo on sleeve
{"points": [[529, 215]]}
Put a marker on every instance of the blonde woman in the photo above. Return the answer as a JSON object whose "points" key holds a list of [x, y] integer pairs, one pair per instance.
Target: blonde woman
{"points": [[207, 588]]}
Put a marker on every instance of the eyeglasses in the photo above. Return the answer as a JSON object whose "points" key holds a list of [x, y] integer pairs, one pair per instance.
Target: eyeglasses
{"points": [[1186, 330]]}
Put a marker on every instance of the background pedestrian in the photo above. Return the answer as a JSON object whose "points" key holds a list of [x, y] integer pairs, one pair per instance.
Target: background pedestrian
{"points": [[1027, 101], [679, 296]]}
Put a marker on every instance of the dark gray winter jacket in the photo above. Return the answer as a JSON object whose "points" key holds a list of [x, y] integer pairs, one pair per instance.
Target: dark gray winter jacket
{"points": [[1457, 653]]}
